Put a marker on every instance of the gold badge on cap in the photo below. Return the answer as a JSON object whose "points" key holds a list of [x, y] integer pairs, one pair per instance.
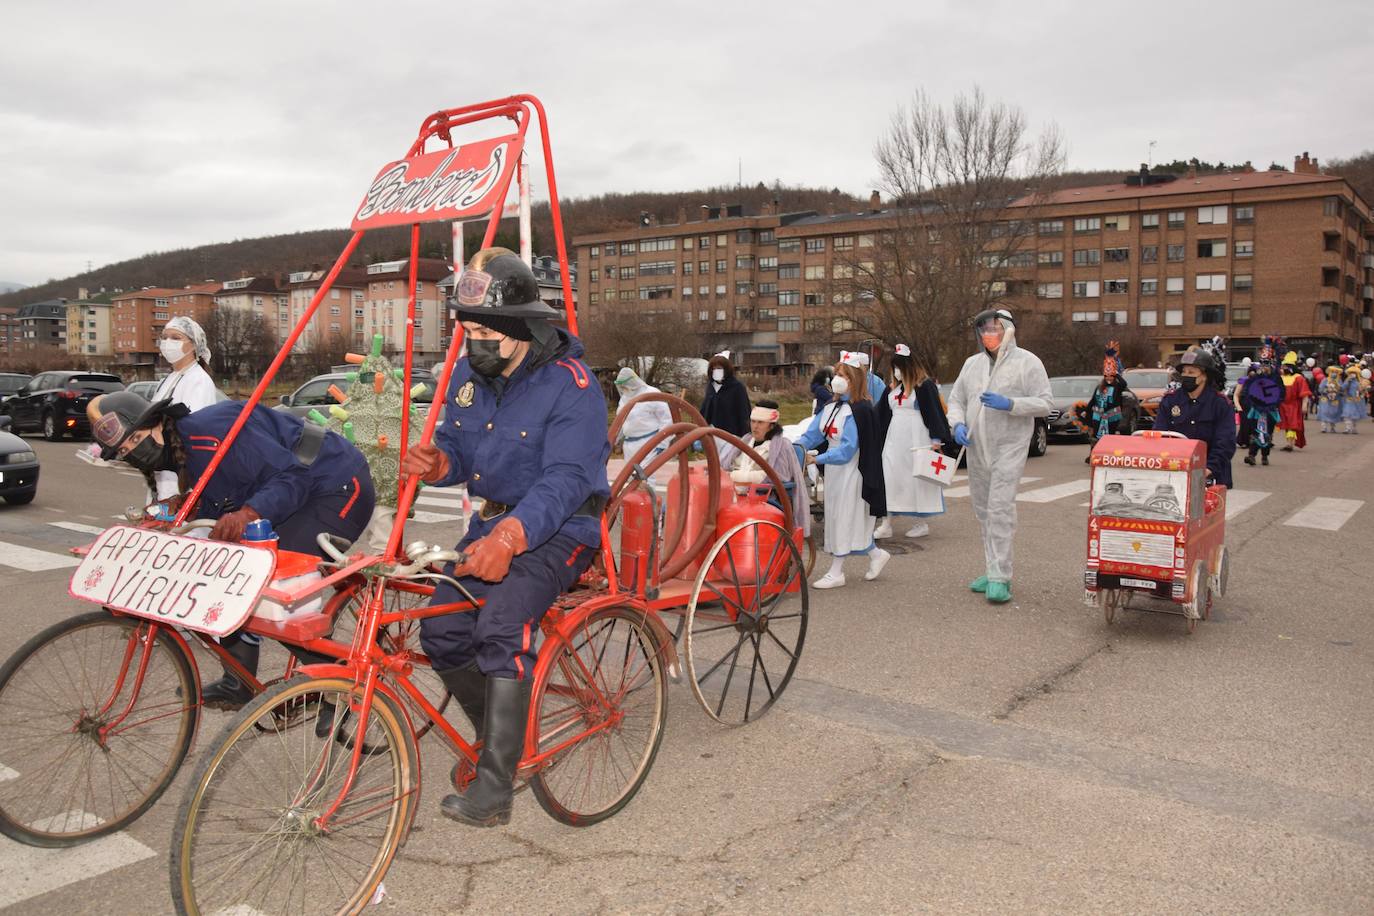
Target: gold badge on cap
{"points": [[465, 394]]}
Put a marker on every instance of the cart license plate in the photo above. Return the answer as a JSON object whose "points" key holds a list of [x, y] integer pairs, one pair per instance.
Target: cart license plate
{"points": [[1138, 583]]}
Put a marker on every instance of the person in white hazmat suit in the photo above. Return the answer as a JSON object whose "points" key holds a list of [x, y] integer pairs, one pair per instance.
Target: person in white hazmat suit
{"points": [[645, 419], [992, 410]]}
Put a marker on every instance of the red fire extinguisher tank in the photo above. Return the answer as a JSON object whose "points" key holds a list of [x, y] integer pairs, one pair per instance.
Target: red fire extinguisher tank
{"points": [[697, 501], [739, 560]]}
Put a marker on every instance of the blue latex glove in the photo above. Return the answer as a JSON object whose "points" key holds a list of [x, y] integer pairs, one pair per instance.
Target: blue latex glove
{"points": [[995, 401], [961, 434]]}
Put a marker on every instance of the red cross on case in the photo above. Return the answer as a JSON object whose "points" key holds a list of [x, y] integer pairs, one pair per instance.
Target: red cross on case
{"points": [[939, 464]]}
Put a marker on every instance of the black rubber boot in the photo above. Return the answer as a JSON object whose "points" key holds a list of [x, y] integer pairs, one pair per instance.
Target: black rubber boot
{"points": [[487, 802], [229, 692], [469, 687]]}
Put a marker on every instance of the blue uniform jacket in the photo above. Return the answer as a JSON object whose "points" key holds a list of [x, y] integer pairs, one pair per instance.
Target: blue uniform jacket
{"points": [[1210, 418], [539, 445], [261, 469]]}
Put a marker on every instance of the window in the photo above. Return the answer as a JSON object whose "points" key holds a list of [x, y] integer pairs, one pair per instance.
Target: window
{"points": [[595, 274], [1050, 227], [1117, 286], [1175, 253], [1240, 315], [627, 272], [813, 299], [789, 324], [722, 240], [815, 325], [1173, 285], [815, 246], [1176, 218], [787, 246], [720, 314], [703, 290], [1122, 222], [743, 313], [789, 271], [1326, 311], [1085, 316], [1245, 249], [686, 292], [865, 241], [789, 297], [1120, 316], [1149, 287], [768, 263], [626, 295], [720, 289], [1331, 206], [686, 269], [595, 298], [743, 287], [1149, 318], [1086, 289], [704, 315], [160, 316], [1243, 282], [1211, 248], [1117, 255], [1209, 314], [658, 245], [744, 262], [1083, 257], [656, 292], [703, 267], [687, 245], [1050, 258], [1149, 254], [1087, 224], [1050, 291], [1215, 215], [1149, 221], [766, 237], [1244, 214], [744, 236], [769, 314], [768, 289], [720, 265], [1173, 317], [844, 243], [334, 310], [657, 269], [1214, 282], [843, 271], [815, 271], [627, 247], [703, 242]]}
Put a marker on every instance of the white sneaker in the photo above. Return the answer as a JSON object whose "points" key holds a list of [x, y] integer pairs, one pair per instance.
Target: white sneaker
{"points": [[876, 561], [883, 531], [919, 530], [829, 581]]}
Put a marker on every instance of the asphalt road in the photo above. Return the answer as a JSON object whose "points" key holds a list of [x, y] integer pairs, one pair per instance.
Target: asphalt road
{"points": [[935, 754]]}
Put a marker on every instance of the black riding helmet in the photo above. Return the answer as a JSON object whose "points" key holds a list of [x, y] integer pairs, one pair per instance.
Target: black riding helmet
{"points": [[498, 290], [1205, 361], [118, 415]]}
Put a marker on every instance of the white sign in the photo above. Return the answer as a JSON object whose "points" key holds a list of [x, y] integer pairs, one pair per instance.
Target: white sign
{"points": [[199, 584]]}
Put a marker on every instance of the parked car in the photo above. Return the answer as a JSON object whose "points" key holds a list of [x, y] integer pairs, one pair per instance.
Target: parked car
{"points": [[10, 382], [18, 467], [1234, 373], [1069, 390], [145, 390], [54, 403], [1040, 439], [1149, 385], [314, 394]]}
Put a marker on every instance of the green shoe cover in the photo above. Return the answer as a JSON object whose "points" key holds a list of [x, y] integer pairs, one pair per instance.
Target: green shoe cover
{"points": [[999, 592], [979, 585]]}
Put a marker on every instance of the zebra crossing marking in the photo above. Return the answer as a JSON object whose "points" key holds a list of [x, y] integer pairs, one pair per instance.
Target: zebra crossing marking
{"points": [[1325, 513], [28, 871], [1237, 501], [78, 527], [17, 556], [1058, 491], [434, 518], [958, 492]]}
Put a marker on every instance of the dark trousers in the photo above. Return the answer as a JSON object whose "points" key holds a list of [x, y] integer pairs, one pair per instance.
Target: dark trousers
{"points": [[502, 634], [345, 512]]}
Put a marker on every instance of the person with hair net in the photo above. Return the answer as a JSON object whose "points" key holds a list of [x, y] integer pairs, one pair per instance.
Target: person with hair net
{"points": [[992, 410], [182, 344], [645, 419]]}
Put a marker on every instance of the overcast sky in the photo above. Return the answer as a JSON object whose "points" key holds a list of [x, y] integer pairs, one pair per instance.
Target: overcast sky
{"points": [[130, 127]]}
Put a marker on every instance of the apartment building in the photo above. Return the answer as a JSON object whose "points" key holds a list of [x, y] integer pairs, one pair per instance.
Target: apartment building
{"points": [[89, 329], [260, 295], [9, 330], [140, 315], [1182, 257], [386, 300], [43, 326], [337, 314]]}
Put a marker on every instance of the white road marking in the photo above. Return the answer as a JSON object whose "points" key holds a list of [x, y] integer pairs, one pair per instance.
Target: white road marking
{"points": [[27, 872], [1325, 513], [958, 492], [433, 518], [78, 527], [1237, 501], [30, 560], [1058, 491]]}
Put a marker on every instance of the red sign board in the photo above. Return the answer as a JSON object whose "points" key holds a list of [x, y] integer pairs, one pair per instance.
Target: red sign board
{"points": [[459, 183]]}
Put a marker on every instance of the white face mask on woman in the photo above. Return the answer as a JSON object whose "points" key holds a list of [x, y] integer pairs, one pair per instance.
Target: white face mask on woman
{"points": [[717, 375], [840, 385], [172, 350]]}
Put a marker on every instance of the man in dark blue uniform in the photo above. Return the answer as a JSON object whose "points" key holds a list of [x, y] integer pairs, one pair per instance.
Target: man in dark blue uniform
{"points": [[525, 429], [1199, 410]]}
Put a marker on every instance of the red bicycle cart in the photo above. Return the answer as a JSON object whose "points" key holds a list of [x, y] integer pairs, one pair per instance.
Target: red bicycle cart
{"points": [[310, 791]]}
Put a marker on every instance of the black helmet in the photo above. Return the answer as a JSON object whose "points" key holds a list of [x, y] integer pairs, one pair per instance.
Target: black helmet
{"points": [[1205, 361], [498, 284], [118, 415]]}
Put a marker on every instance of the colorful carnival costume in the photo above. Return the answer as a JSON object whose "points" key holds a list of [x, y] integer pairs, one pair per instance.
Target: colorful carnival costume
{"points": [[912, 418], [1353, 400], [1294, 407], [1330, 397]]}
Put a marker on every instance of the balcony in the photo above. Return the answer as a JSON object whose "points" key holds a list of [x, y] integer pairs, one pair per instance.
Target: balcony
{"points": [[1367, 291], [1367, 261]]}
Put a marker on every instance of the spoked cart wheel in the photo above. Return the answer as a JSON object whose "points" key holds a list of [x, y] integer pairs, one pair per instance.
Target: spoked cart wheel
{"points": [[1112, 600], [599, 712], [746, 621], [85, 748], [247, 838]]}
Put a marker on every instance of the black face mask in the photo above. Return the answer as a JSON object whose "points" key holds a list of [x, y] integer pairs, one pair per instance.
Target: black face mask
{"points": [[151, 456], [1188, 383], [485, 357]]}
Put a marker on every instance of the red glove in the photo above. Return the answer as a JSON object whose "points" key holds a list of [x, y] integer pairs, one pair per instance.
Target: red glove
{"points": [[489, 558], [427, 461], [230, 527]]}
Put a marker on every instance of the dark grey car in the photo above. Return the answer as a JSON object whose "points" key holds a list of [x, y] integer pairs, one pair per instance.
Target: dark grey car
{"points": [[18, 467], [1069, 390]]}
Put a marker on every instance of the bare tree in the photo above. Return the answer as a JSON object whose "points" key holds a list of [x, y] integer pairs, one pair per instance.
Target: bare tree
{"points": [[965, 181], [646, 342], [241, 342]]}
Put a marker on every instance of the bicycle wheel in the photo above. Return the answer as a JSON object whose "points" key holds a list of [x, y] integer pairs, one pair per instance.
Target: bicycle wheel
{"points": [[73, 765], [610, 671], [246, 840], [402, 636]]}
